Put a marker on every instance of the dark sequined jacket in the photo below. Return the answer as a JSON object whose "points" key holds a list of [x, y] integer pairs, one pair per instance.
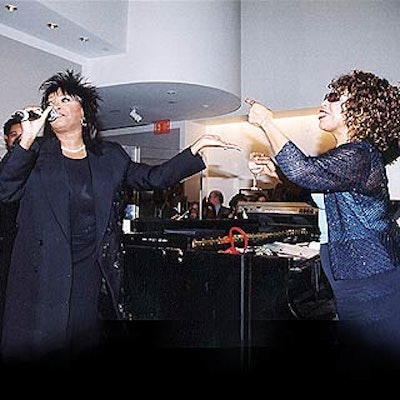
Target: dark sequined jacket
{"points": [[364, 239]]}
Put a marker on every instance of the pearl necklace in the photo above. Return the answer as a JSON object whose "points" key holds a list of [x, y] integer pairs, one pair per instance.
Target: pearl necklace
{"points": [[73, 150]]}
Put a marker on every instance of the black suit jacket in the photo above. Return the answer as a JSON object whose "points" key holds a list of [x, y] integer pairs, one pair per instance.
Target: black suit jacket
{"points": [[8, 230], [39, 282], [223, 212]]}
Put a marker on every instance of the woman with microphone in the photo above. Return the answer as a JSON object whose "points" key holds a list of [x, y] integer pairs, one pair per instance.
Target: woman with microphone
{"points": [[66, 271]]}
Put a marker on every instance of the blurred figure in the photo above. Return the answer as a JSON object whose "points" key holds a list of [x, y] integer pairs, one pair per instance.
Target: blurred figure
{"points": [[261, 197], [287, 191], [233, 204], [11, 132], [216, 198], [8, 213], [208, 210], [173, 203], [194, 210]]}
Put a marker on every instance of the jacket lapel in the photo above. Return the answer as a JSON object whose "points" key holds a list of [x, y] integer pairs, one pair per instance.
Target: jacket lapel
{"points": [[52, 172], [103, 185], [55, 183]]}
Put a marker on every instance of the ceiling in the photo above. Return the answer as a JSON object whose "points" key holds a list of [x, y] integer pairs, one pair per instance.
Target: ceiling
{"points": [[32, 18], [153, 101]]}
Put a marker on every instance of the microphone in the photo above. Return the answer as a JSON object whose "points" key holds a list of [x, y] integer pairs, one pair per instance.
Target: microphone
{"points": [[24, 115], [31, 115], [53, 115]]}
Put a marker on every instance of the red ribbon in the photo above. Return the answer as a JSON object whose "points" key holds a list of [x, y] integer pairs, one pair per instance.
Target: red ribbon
{"points": [[233, 249]]}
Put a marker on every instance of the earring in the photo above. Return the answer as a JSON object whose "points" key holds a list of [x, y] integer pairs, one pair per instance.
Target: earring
{"points": [[83, 122]]}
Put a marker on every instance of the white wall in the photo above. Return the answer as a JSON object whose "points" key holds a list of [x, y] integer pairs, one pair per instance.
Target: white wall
{"points": [[22, 70], [292, 48]]}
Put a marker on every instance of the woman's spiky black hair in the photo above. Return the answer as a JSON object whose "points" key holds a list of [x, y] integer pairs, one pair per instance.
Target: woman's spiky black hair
{"points": [[73, 84]]}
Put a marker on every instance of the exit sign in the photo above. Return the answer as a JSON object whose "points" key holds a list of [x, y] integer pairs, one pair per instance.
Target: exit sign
{"points": [[161, 126]]}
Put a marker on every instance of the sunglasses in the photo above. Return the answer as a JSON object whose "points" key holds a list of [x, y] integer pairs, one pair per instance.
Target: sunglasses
{"points": [[332, 97]]}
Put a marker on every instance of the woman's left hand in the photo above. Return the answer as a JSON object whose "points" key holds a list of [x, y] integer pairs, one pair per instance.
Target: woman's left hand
{"points": [[212, 141], [263, 165]]}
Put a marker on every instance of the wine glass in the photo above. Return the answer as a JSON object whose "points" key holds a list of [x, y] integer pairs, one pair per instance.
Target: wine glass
{"points": [[254, 167]]}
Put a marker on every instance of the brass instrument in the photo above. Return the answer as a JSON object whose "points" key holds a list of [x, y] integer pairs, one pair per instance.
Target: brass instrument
{"points": [[254, 238]]}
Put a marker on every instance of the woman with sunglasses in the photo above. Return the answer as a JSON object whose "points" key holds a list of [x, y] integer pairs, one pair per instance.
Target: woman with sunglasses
{"points": [[360, 248]]}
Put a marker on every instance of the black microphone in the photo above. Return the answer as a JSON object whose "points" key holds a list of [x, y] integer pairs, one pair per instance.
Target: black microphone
{"points": [[25, 115]]}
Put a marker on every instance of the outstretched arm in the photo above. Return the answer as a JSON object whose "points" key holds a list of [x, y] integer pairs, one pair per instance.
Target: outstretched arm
{"points": [[211, 141], [186, 163]]}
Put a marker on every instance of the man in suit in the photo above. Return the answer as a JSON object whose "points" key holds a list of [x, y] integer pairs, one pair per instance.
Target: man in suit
{"points": [[216, 198], [8, 215]]}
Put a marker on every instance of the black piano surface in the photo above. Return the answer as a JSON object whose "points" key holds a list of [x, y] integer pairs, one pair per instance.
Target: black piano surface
{"points": [[173, 273], [177, 296], [212, 297]]}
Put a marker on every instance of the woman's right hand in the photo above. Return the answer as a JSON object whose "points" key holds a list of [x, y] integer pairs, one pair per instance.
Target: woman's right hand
{"points": [[258, 114], [31, 128]]}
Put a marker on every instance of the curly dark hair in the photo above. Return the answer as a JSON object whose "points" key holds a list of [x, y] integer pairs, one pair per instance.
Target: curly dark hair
{"points": [[372, 110], [73, 84]]}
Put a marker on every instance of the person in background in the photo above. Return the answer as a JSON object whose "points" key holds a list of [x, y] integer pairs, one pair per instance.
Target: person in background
{"points": [[287, 191], [194, 210], [216, 199], [208, 209], [11, 132], [172, 207], [261, 197], [233, 205], [65, 279], [8, 215], [360, 251]]}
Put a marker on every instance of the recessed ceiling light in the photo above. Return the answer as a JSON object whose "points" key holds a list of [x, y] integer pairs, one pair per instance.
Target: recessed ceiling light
{"points": [[84, 39], [11, 7], [52, 25]]}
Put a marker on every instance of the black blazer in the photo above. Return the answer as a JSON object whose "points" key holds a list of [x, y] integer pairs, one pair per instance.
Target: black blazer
{"points": [[223, 212], [39, 281]]}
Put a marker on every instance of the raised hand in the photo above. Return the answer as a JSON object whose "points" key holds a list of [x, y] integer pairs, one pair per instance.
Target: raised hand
{"points": [[258, 114], [31, 128]]}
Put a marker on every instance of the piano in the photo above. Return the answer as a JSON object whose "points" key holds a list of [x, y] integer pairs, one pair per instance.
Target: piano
{"points": [[264, 222], [176, 272]]}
